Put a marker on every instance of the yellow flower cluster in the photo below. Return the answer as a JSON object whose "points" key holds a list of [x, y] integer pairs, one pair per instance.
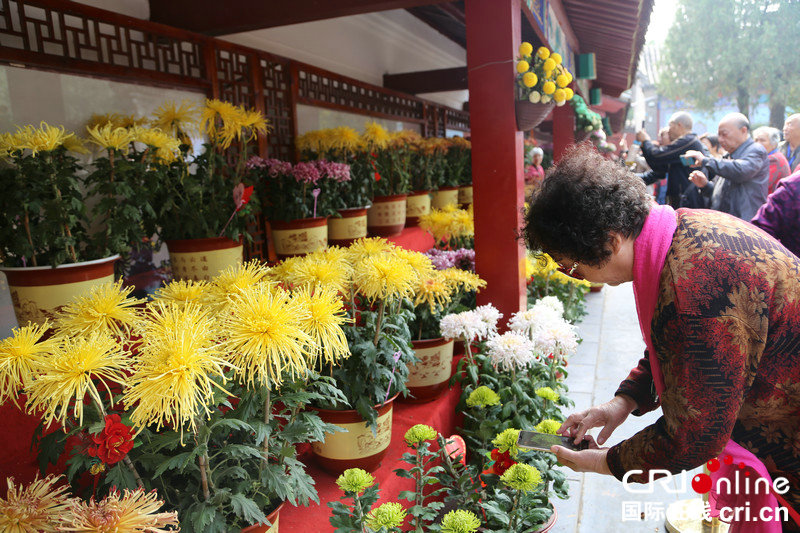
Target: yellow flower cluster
{"points": [[542, 76], [225, 122], [45, 138], [543, 266], [448, 223]]}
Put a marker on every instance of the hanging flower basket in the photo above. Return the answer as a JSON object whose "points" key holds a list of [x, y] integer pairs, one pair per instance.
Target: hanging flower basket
{"points": [[530, 115]]}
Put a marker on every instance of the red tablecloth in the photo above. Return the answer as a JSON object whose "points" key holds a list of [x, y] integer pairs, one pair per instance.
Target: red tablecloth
{"points": [[414, 238], [439, 414]]}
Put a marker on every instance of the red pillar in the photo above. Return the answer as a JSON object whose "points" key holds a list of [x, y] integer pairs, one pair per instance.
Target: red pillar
{"points": [[563, 130], [493, 36]]}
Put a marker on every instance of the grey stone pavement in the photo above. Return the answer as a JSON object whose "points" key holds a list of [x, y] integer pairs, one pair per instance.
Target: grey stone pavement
{"points": [[612, 345]]}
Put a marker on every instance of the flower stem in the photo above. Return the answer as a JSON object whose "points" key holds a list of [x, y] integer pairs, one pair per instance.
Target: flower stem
{"points": [[267, 414], [513, 511], [64, 226], [378, 322], [359, 512], [420, 498], [30, 240]]}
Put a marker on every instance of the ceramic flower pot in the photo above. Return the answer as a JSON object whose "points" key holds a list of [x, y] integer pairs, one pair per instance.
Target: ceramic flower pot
{"points": [[530, 115], [356, 447], [351, 226], [465, 195], [202, 259], [299, 237], [418, 203], [428, 378], [444, 197], [273, 519], [387, 216], [38, 292]]}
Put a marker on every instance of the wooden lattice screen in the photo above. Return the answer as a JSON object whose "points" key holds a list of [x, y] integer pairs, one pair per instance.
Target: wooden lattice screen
{"points": [[79, 39]]}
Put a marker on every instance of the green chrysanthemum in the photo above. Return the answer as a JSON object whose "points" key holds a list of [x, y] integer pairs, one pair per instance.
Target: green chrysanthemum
{"points": [[460, 521], [355, 480], [482, 397], [522, 477], [419, 434], [547, 426], [388, 515], [507, 442], [548, 394]]}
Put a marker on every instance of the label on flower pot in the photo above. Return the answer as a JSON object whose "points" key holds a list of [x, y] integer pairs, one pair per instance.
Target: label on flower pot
{"points": [[418, 205], [340, 229], [387, 213], [434, 367], [465, 195], [300, 241], [357, 440], [444, 197], [203, 265], [36, 303]]}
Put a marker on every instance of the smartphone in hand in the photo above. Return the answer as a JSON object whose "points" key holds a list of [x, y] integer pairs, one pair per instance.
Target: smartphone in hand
{"points": [[543, 441], [687, 161]]}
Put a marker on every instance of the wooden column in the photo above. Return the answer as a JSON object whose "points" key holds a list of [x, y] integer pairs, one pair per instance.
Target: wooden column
{"points": [[493, 36], [563, 130]]}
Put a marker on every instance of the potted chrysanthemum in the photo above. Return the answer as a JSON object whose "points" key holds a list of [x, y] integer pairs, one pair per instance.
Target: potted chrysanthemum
{"points": [[45, 242], [451, 228], [542, 83], [391, 180], [374, 276], [459, 167]]}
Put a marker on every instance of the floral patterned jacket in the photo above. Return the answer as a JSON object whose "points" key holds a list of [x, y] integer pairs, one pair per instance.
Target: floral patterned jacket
{"points": [[727, 333]]}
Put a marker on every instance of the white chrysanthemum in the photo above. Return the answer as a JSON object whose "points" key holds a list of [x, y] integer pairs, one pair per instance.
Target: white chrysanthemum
{"points": [[551, 302], [512, 350], [490, 316], [531, 321], [559, 338], [467, 325]]}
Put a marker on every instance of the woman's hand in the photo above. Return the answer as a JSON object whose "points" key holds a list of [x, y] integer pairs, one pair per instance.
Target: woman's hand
{"points": [[609, 415], [592, 459]]}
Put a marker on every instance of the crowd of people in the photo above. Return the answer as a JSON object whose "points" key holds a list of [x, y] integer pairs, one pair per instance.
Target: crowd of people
{"points": [[752, 175]]}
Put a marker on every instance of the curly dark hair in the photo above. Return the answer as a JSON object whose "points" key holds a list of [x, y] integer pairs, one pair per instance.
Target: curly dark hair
{"points": [[581, 200]]}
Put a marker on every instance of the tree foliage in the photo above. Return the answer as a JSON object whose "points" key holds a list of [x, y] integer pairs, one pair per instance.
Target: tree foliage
{"points": [[737, 49]]}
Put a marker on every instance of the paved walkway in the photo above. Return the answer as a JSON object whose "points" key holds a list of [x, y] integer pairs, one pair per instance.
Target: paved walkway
{"points": [[612, 345]]}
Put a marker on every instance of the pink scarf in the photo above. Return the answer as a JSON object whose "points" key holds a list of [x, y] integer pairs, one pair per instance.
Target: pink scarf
{"points": [[649, 254]]}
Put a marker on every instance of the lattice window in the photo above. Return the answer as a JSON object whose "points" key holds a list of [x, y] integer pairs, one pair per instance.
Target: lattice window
{"points": [[233, 72], [457, 120], [317, 87], [278, 108], [58, 33]]}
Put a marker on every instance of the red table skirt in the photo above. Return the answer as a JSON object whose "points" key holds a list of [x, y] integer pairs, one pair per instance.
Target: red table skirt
{"points": [[415, 239], [439, 414]]}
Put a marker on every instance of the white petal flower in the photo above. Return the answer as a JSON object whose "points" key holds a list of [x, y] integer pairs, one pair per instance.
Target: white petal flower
{"points": [[512, 350], [534, 97], [490, 316], [551, 302]]}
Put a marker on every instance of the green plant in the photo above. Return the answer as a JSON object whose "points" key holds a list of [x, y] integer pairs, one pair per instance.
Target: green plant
{"points": [[586, 120], [439, 293], [43, 203], [393, 165], [424, 473], [459, 161]]}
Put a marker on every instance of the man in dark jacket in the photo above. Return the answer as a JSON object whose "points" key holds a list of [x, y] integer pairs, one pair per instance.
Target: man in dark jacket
{"points": [[679, 194], [742, 175], [780, 216]]}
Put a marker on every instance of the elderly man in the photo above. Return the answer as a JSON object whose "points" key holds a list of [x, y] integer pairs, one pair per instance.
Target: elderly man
{"points": [[742, 175], [769, 138], [667, 157], [791, 141]]}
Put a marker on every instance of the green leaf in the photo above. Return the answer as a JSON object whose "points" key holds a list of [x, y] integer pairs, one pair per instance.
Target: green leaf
{"points": [[247, 510], [177, 462]]}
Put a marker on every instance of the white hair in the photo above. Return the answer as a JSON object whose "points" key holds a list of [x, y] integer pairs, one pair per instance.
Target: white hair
{"points": [[683, 118], [773, 134], [537, 151]]}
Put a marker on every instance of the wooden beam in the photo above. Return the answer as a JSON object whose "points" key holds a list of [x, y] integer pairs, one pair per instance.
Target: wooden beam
{"points": [[213, 17], [428, 81]]}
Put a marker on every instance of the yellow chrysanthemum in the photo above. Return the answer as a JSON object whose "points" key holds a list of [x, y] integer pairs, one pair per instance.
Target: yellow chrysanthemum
{"points": [[283, 272], [556, 57], [375, 135], [560, 95], [385, 277], [100, 120], [316, 270], [525, 49], [523, 66], [253, 122], [20, 355], [69, 374], [420, 262], [42, 139], [345, 139], [105, 309], [529, 79], [185, 292], [562, 80], [543, 52], [434, 290], [323, 323], [549, 87], [235, 278], [265, 336], [437, 223], [569, 93], [167, 147], [180, 362], [310, 141], [179, 121], [132, 512], [222, 121], [75, 144], [367, 247], [40, 507], [10, 143], [463, 280], [110, 137]]}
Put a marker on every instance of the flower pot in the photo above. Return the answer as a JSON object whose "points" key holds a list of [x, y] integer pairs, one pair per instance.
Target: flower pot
{"points": [[356, 447], [273, 518], [202, 259], [465, 195], [299, 237], [387, 216], [351, 226], [418, 203], [530, 115], [38, 292], [428, 378], [444, 197]]}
